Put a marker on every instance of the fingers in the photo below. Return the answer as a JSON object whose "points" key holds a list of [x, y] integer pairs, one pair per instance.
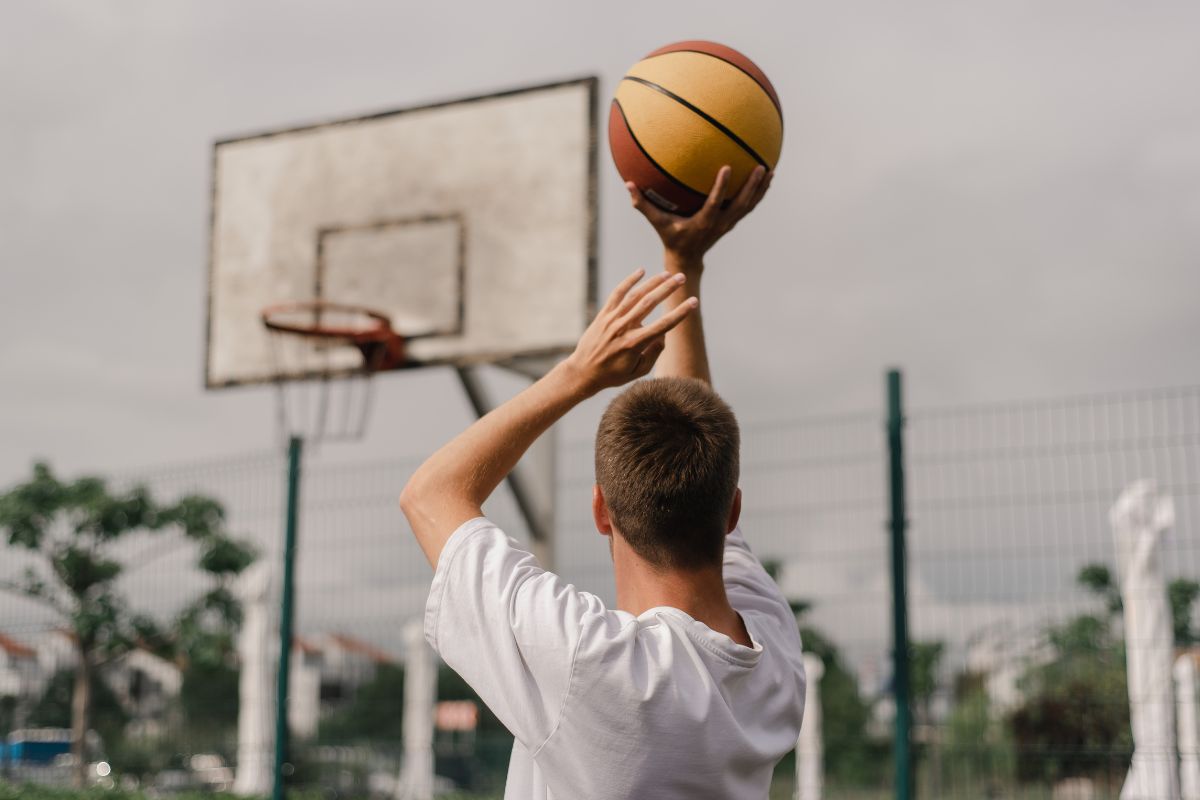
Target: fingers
{"points": [[666, 322], [749, 194], [618, 294], [649, 295], [633, 297], [762, 189], [649, 355], [717, 194], [656, 215]]}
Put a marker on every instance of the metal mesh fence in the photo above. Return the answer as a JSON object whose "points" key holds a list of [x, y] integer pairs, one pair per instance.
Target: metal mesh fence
{"points": [[1008, 505], [1017, 628]]}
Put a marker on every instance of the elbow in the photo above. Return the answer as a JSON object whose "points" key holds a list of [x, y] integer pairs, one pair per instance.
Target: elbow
{"points": [[410, 497]]}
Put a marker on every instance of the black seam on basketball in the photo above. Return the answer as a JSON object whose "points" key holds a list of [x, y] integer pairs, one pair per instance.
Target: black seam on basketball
{"points": [[732, 136], [653, 163], [736, 66]]}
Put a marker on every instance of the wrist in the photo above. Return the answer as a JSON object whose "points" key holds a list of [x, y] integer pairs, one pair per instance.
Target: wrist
{"points": [[674, 261], [572, 379]]}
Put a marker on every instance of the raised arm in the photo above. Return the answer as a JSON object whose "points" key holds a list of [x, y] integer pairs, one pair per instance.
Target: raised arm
{"points": [[450, 487], [685, 242]]}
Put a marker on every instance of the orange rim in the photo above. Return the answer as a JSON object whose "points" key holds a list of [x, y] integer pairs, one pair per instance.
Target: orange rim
{"points": [[382, 348]]}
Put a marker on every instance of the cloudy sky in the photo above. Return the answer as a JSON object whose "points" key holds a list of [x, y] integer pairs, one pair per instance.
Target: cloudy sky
{"points": [[1002, 197]]}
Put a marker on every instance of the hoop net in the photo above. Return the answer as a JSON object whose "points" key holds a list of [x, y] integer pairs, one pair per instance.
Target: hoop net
{"points": [[325, 356]]}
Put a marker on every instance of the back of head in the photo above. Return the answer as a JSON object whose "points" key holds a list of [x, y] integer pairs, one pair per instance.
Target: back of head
{"points": [[667, 463]]}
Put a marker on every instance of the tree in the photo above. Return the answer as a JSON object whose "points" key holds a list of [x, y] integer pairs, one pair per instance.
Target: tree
{"points": [[375, 713], [53, 708], [852, 755], [72, 529], [1074, 720], [977, 753], [1098, 580], [924, 662], [1182, 595]]}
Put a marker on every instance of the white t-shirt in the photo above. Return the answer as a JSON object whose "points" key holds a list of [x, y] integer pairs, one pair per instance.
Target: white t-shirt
{"points": [[608, 706]]}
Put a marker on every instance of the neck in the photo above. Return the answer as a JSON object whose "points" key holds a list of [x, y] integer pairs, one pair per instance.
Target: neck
{"points": [[698, 593]]}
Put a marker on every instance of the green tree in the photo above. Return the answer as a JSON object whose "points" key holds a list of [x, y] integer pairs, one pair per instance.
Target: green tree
{"points": [[73, 530], [852, 755], [1098, 579], [1182, 594], [376, 711], [8, 713], [977, 753], [53, 708], [924, 662], [209, 699], [1074, 720]]}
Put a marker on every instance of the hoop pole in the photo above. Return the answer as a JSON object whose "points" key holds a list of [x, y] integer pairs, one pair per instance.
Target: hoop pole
{"points": [[295, 448], [902, 746]]}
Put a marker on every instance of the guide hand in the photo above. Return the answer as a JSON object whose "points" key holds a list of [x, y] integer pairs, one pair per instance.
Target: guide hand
{"points": [[617, 348]]}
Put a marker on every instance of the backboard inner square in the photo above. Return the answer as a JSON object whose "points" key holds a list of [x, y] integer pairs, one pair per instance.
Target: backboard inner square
{"points": [[410, 269]]}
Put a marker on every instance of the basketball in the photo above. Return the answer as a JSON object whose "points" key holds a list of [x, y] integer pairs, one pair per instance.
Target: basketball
{"points": [[686, 110]]}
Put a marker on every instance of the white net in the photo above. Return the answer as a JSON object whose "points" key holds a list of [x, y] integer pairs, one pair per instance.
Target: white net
{"points": [[330, 402]]}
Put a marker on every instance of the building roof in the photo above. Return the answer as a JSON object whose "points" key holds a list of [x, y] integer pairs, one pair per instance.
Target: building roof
{"points": [[15, 648], [319, 644], [305, 646], [352, 645]]}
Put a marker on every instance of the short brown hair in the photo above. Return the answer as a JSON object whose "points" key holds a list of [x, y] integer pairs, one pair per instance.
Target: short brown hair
{"points": [[667, 463]]}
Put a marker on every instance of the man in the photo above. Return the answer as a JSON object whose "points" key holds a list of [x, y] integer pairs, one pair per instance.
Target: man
{"points": [[693, 687]]}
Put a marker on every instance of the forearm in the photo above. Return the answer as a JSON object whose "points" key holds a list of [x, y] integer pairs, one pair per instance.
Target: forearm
{"points": [[451, 486], [685, 355]]}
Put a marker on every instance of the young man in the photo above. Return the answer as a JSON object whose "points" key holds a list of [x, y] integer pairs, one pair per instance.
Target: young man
{"points": [[693, 687]]}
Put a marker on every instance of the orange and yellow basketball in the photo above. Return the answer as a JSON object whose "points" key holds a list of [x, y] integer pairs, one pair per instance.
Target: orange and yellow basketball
{"points": [[686, 110]]}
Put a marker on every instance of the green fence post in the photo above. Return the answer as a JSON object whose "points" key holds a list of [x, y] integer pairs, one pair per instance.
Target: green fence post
{"points": [[902, 752], [295, 446]]}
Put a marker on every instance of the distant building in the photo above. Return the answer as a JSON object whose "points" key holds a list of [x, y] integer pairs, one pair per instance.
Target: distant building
{"points": [[326, 670], [20, 678], [56, 652], [1001, 654], [145, 685]]}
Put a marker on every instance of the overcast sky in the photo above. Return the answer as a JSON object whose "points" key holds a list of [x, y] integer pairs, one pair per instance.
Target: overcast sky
{"points": [[1002, 197]]}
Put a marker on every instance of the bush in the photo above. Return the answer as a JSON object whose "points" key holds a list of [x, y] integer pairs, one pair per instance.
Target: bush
{"points": [[13, 791], [1074, 721]]}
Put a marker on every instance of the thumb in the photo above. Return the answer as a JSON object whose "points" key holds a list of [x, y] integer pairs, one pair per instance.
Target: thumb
{"points": [[650, 211], [649, 355]]}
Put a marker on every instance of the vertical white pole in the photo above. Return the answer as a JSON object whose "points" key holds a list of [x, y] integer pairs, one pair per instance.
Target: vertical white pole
{"points": [[1140, 520], [420, 693], [256, 683], [1189, 732], [810, 750]]}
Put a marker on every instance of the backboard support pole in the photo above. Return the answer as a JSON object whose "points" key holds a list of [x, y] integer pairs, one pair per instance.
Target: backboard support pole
{"points": [[282, 756], [532, 483]]}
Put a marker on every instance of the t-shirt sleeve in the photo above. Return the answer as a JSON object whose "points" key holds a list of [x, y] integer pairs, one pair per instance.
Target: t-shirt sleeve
{"points": [[507, 626], [748, 585]]}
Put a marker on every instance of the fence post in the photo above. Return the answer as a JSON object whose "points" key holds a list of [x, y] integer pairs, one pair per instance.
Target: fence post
{"points": [[295, 446], [902, 752]]}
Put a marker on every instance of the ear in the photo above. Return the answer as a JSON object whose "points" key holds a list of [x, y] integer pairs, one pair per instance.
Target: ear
{"points": [[736, 512], [600, 512]]}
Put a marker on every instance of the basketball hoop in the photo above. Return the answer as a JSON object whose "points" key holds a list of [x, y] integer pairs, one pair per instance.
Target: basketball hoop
{"points": [[312, 338]]}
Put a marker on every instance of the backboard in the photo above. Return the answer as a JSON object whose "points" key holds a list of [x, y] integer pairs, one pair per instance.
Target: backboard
{"points": [[471, 224]]}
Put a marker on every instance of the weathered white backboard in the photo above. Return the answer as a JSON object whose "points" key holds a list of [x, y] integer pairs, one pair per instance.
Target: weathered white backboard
{"points": [[471, 224]]}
